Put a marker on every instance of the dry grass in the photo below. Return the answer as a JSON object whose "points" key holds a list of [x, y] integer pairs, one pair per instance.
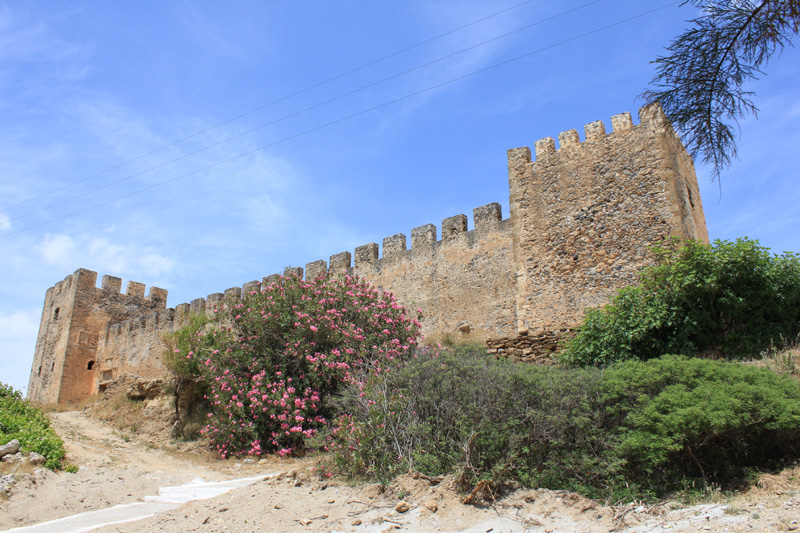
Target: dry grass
{"points": [[121, 412], [70, 406], [785, 361]]}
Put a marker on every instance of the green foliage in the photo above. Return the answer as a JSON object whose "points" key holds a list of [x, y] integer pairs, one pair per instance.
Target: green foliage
{"points": [[488, 419], [631, 432], [683, 419], [734, 297], [24, 422], [182, 343], [196, 336]]}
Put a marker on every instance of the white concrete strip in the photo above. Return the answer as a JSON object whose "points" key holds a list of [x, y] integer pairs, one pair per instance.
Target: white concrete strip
{"points": [[168, 498], [198, 489]]}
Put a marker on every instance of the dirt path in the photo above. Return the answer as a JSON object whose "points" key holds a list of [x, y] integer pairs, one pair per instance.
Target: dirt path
{"points": [[116, 469], [113, 469]]}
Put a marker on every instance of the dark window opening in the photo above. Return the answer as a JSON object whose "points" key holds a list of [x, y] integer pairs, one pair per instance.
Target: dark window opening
{"points": [[52, 366], [55, 314], [40, 370], [90, 365]]}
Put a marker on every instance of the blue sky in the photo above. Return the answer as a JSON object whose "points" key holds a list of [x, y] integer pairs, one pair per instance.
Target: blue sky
{"points": [[100, 91]]}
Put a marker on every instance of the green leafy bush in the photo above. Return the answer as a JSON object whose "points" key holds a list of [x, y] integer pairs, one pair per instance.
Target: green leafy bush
{"points": [[191, 406], [633, 432], [20, 420], [731, 298]]}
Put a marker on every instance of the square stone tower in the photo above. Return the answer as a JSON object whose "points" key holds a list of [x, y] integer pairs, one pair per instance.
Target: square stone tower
{"points": [[585, 214]]}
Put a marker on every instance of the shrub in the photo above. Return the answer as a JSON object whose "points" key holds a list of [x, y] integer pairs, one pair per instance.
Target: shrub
{"points": [[277, 356], [24, 422], [191, 407], [690, 419], [488, 419], [632, 432], [734, 298]]}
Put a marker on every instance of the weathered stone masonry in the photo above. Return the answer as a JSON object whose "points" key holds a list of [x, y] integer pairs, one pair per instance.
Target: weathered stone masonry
{"points": [[582, 218]]}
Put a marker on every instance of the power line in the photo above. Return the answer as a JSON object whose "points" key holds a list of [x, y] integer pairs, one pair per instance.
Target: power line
{"points": [[353, 115], [273, 102], [302, 111]]}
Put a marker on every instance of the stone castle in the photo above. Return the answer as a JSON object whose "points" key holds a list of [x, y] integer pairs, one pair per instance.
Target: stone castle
{"points": [[582, 218]]}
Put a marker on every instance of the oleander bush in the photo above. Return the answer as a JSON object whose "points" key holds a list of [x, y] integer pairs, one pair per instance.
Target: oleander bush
{"points": [[22, 421], [636, 431], [271, 362], [733, 299]]}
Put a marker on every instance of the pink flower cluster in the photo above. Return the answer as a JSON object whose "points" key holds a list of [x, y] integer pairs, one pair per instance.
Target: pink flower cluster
{"points": [[292, 345]]}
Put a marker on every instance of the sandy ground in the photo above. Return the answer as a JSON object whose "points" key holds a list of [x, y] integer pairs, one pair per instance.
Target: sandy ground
{"points": [[117, 468]]}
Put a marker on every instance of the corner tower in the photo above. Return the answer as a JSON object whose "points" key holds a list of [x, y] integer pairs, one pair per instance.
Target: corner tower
{"points": [[584, 215], [76, 315]]}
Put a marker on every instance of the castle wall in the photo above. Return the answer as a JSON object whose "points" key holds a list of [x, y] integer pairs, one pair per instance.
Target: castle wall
{"points": [[134, 346], [582, 218], [464, 282]]}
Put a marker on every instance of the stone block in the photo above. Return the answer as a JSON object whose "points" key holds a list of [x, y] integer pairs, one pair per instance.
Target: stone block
{"points": [[135, 289], [112, 284], [367, 253]]}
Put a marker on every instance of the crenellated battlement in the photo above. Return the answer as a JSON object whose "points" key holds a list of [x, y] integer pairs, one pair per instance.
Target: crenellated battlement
{"points": [[650, 117], [582, 216], [152, 322], [487, 220], [86, 281]]}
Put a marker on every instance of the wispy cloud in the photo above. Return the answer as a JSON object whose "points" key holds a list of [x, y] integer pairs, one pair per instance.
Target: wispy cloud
{"points": [[105, 255]]}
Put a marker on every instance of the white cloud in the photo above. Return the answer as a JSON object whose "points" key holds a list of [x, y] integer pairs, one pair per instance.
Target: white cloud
{"points": [[105, 256], [153, 264], [57, 249], [5, 222]]}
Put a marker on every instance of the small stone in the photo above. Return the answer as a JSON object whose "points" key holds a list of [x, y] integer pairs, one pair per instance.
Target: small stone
{"points": [[356, 522], [331, 501], [36, 459], [9, 448], [432, 507], [14, 458], [402, 506]]}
